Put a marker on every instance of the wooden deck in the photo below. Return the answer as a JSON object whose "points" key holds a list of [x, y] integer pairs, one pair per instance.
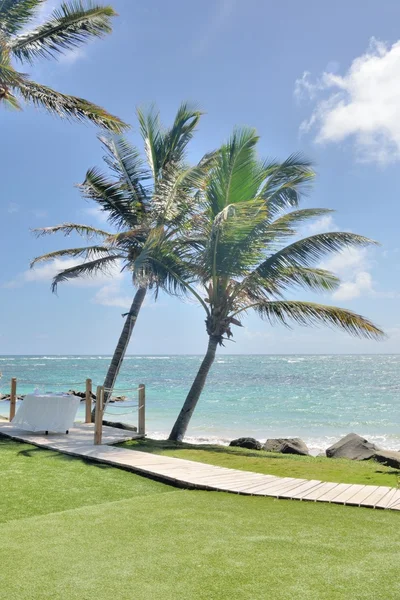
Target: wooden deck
{"points": [[195, 475]]}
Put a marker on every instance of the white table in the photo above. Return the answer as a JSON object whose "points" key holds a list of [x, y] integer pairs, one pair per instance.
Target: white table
{"points": [[47, 412]]}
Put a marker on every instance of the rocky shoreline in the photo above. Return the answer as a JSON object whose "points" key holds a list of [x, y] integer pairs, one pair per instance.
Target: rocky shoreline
{"points": [[81, 395], [352, 447]]}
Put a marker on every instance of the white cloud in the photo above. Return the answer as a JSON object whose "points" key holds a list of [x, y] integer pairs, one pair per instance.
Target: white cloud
{"points": [[361, 284], [322, 225], [45, 273], [353, 267], [112, 295], [363, 104], [96, 213], [70, 57]]}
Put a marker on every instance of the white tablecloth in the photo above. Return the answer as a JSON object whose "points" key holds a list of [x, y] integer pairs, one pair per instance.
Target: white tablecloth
{"points": [[47, 413]]}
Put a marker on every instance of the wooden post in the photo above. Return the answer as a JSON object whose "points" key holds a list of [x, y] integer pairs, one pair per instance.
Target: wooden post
{"points": [[13, 397], [142, 408], [88, 397], [98, 418]]}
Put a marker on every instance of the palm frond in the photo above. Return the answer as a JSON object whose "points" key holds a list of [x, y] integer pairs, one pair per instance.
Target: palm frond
{"points": [[308, 251], [67, 228], [311, 314], [174, 198], [125, 162], [87, 269], [286, 182], [237, 174], [73, 24], [15, 14], [67, 107], [153, 138], [88, 252], [179, 135], [315, 280], [113, 199]]}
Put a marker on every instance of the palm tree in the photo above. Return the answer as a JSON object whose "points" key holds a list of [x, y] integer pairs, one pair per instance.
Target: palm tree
{"points": [[148, 205], [242, 258], [68, 27]]}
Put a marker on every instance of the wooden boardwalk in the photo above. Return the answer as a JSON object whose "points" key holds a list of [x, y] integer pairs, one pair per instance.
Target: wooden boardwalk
{"points": [[196, 475]]}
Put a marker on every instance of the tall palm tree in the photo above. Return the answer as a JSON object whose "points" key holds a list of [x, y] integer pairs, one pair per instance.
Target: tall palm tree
{"points": [[243, 261], [68, 27], [148, 205]]}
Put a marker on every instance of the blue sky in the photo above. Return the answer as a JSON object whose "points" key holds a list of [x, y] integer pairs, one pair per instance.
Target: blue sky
{"points": [[321, 80]]}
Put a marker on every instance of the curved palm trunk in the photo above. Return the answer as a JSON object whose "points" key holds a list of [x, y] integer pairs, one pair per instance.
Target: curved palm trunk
{"points": [[181, 424], [123, 342]]}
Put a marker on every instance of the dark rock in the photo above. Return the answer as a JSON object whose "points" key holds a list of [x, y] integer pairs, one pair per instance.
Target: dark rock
{"points": [[247, 442], [286, 446], [352, 446], [388, 458], [81, 395], [119, 425]]}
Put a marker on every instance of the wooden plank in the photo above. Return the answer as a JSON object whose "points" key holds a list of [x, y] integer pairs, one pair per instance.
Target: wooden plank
{"points": [[88, 401], [299, 492], [13, 397], [247, 484], [254, 488], [278, 489], [376, 496], [386, 500], [333, 492], [319, 491], [141, 408], [362, 495], [346, 495], [395, 501]]}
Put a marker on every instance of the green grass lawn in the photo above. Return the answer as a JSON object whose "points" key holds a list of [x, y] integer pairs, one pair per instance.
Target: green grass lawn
{"points": [[304, 467], [71, 530]]}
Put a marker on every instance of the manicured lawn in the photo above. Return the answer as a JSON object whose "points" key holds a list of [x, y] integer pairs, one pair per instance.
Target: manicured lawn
{"points": [[304, 467], [77, 531]]}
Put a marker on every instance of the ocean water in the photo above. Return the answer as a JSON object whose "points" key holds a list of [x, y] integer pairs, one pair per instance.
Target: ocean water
{"points": [[318, 398]]}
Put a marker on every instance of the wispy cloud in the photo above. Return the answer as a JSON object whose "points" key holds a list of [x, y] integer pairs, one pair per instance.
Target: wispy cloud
{"points": [[13, 207], [96, 213], [363, 104], [70, 57], [112, 295], [46, 272], [221, 15], [39, 213]]}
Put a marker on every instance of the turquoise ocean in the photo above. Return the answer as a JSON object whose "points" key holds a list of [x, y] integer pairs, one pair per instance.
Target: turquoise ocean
{"points": [[318, 398]]}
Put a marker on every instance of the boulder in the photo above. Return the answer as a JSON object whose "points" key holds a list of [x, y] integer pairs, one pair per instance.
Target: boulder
{"points": [[247, 442], [388, 458], [119, 425], [286, 446], [352, 446]]}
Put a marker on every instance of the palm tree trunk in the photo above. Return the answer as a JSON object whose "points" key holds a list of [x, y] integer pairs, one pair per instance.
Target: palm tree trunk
{"points": [[123, 342], [181, 424]]}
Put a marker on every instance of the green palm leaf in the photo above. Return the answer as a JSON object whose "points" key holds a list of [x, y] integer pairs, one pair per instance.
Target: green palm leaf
{"points": [[308, 313], [87, 269], [286, 182], [67, 228], [73, 24], [308, 251], [88, 252], [15, 14], [67, 107], [113, 198]]}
